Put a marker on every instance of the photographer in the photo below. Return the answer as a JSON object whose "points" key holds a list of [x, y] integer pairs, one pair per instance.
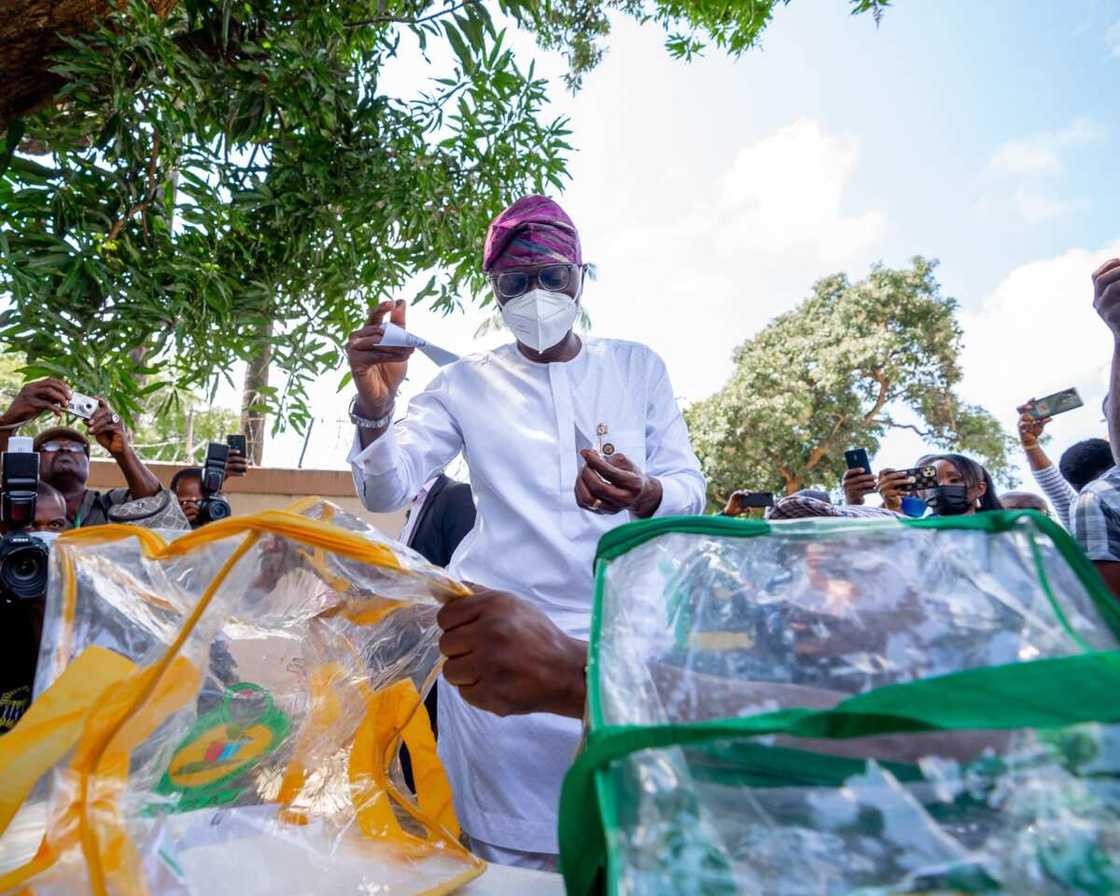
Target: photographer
{"points": [[963, 487], [27, 506], [50, 510], [64, 452], [199, 489], [186, 485]]}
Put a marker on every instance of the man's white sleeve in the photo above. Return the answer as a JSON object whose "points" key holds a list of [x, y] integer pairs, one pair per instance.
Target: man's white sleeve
{"points": [[389, 472], [669, 454]]}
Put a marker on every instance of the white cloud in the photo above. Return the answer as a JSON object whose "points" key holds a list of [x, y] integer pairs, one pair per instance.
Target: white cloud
{"points": [[1037, 333], [1040, 207], [1040, 153], [784, 193], [1112, 40]]}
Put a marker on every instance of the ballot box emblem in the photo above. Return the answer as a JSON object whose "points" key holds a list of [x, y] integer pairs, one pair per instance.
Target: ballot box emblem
{"points": [[207, 768]]}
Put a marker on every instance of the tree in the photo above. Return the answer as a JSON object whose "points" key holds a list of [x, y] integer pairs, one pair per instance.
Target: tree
{"points": [[173, 424], [213, 181], [834, 373]]}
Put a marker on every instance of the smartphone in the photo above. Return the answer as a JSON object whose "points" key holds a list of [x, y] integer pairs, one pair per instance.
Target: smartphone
{"points": [[81, 405], [1058, 403], [857, 459], [756, 499], [924, 477], [237, 443]]}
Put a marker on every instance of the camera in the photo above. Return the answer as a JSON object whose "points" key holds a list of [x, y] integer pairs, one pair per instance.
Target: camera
{"points": [[23, 580], [213, 506]]}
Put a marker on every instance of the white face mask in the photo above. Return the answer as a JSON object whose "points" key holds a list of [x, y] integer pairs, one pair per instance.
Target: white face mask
{"points": [[540, 319]]}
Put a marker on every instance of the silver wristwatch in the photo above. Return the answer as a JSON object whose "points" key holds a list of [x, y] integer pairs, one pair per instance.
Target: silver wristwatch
{"points": [[365, 422]]}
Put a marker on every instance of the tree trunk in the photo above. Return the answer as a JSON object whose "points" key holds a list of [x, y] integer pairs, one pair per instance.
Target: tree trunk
{"points": [[188, 436], [256, 380], [29, 34]]}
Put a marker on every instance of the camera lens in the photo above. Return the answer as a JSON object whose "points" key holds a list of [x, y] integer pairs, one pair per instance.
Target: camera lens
{"points": [[219, 509], [23, 570]]}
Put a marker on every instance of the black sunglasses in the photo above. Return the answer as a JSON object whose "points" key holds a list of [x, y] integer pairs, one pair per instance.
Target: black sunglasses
{"points": [[553, 278]]}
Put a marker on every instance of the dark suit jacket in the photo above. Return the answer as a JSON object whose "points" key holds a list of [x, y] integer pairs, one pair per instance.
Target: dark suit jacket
{"points": [[445, 518]]}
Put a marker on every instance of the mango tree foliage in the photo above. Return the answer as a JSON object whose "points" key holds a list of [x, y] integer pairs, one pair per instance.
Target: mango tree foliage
{"points": [[234, 181], [850, 363], [173, 424]]}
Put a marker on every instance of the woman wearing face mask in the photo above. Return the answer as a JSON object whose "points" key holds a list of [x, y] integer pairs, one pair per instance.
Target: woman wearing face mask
{"points": [[964, 487], [566, 438]]}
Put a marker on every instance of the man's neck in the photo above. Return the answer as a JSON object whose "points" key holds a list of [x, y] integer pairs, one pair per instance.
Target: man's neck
{"points": [[73, 490], [565, 350]]}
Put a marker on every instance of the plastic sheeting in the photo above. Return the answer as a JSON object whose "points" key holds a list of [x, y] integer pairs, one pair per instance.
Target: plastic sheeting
{"points": [[223, 713], [835, 707]]}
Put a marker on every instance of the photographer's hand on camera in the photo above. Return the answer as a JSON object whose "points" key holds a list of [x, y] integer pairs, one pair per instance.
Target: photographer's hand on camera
{"points": [[892, 489], [378, 372], [190, 511], [107, 427], [237, 465], [34, 400]]}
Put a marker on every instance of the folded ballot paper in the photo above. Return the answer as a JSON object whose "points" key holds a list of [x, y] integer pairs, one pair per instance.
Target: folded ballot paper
{"points": [[398, 337]]}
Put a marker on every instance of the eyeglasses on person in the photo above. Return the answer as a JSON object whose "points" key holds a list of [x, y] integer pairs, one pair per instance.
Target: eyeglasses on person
{"points": [[62, 447], [551, 278]]}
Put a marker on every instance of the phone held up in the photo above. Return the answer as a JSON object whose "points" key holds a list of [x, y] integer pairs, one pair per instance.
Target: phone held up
{"points": [[1058, 403], [857, 459], [747, 500], [238, 444], [922, 478]]}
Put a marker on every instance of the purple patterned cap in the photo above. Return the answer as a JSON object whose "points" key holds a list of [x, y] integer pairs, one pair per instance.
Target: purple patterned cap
{"points": [[534, 230]]}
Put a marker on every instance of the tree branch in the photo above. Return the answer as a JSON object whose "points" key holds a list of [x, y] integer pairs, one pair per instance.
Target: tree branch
{"points": [[381, 20], [149, 195], [789, 478], [924, 433], [884, 389], [822, 449], [827, 444]]}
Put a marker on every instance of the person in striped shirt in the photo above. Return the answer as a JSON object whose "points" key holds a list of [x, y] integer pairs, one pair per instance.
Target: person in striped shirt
{"points": [[1079, 465]]}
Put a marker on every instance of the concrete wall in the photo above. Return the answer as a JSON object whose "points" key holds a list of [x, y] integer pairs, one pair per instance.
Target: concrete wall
{"points": [[268, 489]]}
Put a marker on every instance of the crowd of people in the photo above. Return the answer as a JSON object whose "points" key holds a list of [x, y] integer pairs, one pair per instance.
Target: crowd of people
{"points": [[565, 437], [64, 499]]}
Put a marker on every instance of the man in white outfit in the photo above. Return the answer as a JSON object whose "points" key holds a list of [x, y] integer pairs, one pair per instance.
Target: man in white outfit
{"points": [[565, 438]]}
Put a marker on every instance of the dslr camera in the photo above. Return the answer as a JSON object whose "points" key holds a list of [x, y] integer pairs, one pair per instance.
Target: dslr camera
{"points": [[213, 506], [23, 580], [23, 557]]}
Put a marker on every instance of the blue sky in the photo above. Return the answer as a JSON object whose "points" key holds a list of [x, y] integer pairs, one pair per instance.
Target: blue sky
{"points": [[713, 194]]}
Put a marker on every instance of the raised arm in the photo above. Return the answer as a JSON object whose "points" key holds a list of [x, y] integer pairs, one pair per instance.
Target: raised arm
{"points": [[1058, 492], [1106, 300], [391, 462], [107, 427]]}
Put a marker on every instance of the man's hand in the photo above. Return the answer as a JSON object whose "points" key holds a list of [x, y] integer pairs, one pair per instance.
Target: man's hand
{"points": [[1030, 428], [378, 372], [36, 398], [733, 507], [106, 426], [505, 656], [190, 511], [1106, 294], [857, 484], [236, 464], [615, 484], [890, 488]]}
